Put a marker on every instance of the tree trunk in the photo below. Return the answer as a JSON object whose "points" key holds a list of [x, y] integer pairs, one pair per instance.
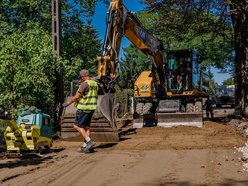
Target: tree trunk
{"points": [[240, 22]]}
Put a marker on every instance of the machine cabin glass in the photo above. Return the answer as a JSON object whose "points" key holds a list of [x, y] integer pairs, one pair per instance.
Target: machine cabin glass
{"points": [[183, 70]]}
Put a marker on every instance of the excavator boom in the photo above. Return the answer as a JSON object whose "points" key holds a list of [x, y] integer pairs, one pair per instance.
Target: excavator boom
{"points": [[121, 22]]}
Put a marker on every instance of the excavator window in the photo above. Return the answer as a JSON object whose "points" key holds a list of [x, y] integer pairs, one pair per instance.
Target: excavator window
{"points": [[179, 72]]}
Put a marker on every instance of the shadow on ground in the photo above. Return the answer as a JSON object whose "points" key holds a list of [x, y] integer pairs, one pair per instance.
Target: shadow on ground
{"points": [[26, 159], [229, 182], [23, 162]]}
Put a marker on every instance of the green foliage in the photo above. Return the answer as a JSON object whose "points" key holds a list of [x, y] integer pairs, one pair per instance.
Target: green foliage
{"points": [[19, 13], [133, 63], [88, 6], [229, 81], [183, 24], [27, 62], [123, 98], [27, 69], [81, 46]]}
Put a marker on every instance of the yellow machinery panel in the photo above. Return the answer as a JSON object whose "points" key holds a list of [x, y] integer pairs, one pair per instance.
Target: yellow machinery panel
{"points": [[143, 85]]}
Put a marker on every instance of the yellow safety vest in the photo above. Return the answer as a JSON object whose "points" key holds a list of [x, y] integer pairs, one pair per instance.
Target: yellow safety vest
{"points": [[89, 101]]}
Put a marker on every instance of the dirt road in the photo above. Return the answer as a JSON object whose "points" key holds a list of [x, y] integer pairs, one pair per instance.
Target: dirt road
{"points": [[151, 156]]}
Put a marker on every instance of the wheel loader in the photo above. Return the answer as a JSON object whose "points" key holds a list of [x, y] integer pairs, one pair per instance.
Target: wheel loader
{"points": [[30, 134]]}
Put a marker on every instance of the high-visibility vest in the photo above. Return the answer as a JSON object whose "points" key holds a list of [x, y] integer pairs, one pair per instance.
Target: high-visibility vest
{"points": [[89, 101]]}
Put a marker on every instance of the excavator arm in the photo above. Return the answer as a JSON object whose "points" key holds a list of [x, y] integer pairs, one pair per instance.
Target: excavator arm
{"points": [[107, 63], [122, 22]]}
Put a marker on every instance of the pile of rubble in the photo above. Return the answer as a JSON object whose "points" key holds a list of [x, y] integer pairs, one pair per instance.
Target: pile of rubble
{"points": [[242, 126]]}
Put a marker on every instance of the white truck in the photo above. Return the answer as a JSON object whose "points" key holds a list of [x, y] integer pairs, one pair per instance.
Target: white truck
{"points": [[225, 96]]}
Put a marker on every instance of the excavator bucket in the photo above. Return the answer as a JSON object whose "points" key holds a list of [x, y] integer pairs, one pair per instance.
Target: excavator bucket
{"points": [[103, 125], [106, 106]]}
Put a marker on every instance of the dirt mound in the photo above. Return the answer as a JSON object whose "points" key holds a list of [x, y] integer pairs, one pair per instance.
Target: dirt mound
{"points": [[211, 135]]}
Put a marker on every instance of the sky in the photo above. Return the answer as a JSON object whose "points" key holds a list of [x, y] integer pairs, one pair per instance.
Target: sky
{"points": [[219, 77], [99, 22]]}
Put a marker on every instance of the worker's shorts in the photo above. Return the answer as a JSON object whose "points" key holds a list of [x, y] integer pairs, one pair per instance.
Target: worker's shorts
{"points": [[83, 118]]}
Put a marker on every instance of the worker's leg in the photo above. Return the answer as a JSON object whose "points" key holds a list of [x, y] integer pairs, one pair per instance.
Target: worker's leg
{"points": [[212, 113], [207, 113], [82, 124], [89, 142], [81, 131], [87, 130]]}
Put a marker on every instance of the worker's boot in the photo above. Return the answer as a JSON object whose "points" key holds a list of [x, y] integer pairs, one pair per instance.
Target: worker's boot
{"points": [[82, 147], [89, 145]]}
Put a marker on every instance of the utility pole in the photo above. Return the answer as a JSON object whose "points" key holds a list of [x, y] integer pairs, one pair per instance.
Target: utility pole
{"points": [[57, 48], [56, 26]]}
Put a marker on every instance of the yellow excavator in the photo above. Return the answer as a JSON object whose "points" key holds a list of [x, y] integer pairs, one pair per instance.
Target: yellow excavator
{"points": [[155, 90], [169, 94]]}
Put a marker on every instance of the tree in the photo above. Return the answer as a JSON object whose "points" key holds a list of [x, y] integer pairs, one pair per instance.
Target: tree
{"points": [[228, 12], [77, 33], [133, 63], [27, 62], [27, 69], [172, 25], [228, 81], [239, 12]]}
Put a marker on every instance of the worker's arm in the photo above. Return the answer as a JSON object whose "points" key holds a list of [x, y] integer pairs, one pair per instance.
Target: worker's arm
{"points": [[74, 98], [82, 90]]}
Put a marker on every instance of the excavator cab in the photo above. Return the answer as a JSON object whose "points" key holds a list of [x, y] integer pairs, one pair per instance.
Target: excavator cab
{"points": [[184, 72]]}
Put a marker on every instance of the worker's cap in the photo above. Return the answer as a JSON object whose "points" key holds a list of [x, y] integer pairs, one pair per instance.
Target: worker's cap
{"points": [[83, 73]]}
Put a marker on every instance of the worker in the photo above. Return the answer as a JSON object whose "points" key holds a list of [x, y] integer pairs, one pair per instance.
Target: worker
{"points": [[181, 77], [85, 100], [209, 108]]}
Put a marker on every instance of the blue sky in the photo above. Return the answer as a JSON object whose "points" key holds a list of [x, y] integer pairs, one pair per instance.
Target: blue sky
{"points": [[219, 77], [99, 21]]}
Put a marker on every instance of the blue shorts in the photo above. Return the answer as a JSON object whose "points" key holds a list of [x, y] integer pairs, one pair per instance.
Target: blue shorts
{"points": [[83, 118]]}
